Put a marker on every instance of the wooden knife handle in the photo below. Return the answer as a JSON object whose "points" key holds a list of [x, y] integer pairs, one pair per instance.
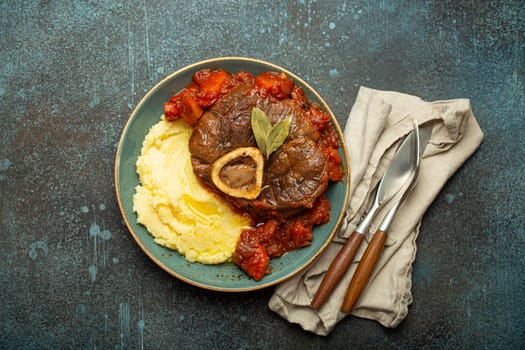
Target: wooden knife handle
{"points": [[337, 269], [364, 270]]}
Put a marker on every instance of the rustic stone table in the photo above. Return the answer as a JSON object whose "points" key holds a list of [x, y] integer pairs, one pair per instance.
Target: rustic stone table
{"points": [[72, 71]]}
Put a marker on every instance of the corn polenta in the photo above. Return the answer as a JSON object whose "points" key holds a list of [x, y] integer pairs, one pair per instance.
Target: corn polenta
{"points": [[174, 207]]}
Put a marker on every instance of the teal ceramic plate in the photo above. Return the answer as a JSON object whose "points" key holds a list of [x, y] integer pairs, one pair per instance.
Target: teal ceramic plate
{"points": [[223, 277]]}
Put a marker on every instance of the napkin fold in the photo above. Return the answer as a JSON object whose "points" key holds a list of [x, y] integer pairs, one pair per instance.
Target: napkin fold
{"points": [[377, 123]]}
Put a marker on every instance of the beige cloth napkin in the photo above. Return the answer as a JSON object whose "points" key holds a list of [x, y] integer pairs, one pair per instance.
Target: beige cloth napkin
{"points": [[377, 123]]}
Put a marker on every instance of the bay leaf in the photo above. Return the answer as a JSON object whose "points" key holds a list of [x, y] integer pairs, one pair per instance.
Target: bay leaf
{"points": [[261, 127], [277, 135]]}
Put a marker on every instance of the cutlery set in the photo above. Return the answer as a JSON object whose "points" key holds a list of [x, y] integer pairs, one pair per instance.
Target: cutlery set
{"points": [[396, 183]]}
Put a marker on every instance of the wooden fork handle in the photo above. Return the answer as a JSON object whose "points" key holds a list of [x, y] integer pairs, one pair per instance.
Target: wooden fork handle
{"points": [[364, 270], [337, 269]]}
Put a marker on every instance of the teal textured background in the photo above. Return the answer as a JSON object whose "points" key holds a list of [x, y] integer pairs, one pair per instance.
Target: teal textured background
{"points": [[71, 72]]}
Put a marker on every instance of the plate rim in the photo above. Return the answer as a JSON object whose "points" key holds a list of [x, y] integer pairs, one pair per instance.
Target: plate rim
{"points": [[138, 108]]}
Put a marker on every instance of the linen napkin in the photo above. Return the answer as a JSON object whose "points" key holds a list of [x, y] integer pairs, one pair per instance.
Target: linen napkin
{"points": [[377, 123]]}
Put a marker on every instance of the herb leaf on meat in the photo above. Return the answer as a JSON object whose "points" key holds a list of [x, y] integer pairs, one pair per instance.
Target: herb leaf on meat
{"points": [[269, 138], [261, 127], [277, 135]]}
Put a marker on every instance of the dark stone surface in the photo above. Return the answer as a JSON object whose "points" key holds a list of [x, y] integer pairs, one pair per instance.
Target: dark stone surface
{"points": [[70, 74]]}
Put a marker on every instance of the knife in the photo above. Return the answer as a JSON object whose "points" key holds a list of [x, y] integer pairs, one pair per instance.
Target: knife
{"points": [[375, 247]]}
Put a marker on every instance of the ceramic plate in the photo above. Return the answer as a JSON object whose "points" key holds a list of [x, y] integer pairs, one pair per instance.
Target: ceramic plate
{"points": [[223, 277]]}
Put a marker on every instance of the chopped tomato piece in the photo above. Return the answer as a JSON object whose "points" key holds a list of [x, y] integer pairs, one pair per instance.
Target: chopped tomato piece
{"points": [[275, 84], [171, 111], [299, 96], [335, 173], [251, 256], [212, 84], [329, 138], [267, 230], [334, 163], [256, 264], [191, 111], [301, 235], [319, 118], [320, 213], [245, 78], [290, 235], [210, 80]]}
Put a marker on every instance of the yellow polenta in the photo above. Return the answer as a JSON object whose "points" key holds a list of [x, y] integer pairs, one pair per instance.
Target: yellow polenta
{"points": [[171, 203]]}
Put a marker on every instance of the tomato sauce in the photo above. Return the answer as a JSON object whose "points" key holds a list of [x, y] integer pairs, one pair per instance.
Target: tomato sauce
{"points": [[272, 237]]}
